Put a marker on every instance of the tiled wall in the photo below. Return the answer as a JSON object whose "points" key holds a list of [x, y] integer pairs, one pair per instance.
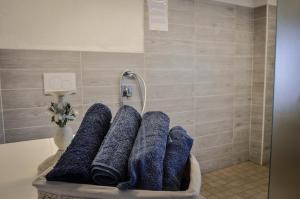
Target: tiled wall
{"points": [[24, 103], [258, 83], [263, 83], [2, 139], [270, 66], [199, 72]]}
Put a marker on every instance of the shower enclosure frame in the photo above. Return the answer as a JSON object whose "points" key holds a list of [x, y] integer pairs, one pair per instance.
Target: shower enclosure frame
{"points": [[285, 155]]}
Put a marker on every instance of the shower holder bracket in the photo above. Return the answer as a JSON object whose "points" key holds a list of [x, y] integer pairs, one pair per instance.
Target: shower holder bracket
{"points": [[127, 91]]}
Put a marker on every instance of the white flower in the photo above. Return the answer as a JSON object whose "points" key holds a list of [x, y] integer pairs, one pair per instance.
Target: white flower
{"points": [[76, 113], [62, 113], [70, 117]]}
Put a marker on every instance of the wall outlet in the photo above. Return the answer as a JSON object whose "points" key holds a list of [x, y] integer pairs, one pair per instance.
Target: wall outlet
{"points": [[59, 83]]}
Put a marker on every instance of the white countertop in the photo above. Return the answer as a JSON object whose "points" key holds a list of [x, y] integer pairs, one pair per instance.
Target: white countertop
{"points": [[18, 167]]}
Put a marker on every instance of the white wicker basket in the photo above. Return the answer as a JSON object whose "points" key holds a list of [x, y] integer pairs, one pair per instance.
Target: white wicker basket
{"points": [[62, 190]]}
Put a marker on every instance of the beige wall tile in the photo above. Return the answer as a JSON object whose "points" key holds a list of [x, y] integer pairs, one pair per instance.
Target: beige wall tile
{"points": [[182, 5], [167, 76], [171, 105], [244, 50], [217, 62], [215, 152], [241, 146], [178, 32], [38, 59], [28, 117], [213, 102], [260, 36], [260, 25], [213, 88], [269, 84], [272, 24], [176, 47], [169, 91], [215, 8], [244, 37], [210, 115], [272, 11], [242, 25], [106, 77], [27, 98], [181, 17], [31, 133], [259, 50], [186, 118], [214, 21], [260, 12], [105, 94], [31, 79], [242, 114], [210, 165], [21, 118], [157, 61], [214, 49], [241, 136], [214, 140], [245, 13], [203, 76], [240, 157], [2, 135], [2, 140], [202, 129], [243, 99], [214, 34], [101, 60]]}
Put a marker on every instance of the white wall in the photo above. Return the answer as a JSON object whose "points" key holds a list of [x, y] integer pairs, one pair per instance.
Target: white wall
{"points": [[90, 25]]}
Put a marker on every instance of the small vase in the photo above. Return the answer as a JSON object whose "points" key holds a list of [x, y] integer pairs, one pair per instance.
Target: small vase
{"points": [[63, 137]]}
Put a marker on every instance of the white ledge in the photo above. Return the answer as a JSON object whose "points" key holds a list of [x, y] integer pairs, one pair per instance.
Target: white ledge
{"points": [[250, 3]]}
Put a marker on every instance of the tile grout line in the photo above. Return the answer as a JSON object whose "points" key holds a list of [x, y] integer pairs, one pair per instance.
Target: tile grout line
{"points": [[2, 115], [233, 103], [35, 126], [144, 68], [194, 69], [265, 87], [196, 40], [251, 103], [81, 77]]}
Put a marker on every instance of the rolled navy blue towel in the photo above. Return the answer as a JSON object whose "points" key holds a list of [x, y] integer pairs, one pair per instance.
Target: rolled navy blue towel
{"points": [[75, 163], [111, 162], [177, 154], [145, 167]]}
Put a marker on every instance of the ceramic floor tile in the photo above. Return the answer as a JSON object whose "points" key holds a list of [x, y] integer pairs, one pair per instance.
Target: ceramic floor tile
{"points": [[242, 181]]}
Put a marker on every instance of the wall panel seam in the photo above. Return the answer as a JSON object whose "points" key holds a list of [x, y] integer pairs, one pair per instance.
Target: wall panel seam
{"points": [[265, 87]]}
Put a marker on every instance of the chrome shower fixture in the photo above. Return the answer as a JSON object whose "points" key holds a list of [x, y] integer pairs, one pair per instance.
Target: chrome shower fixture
{"points": [[126, 90], [129, 74]]}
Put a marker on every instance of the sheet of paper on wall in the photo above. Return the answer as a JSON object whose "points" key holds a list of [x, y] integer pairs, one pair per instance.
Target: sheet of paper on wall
{"points": [[158, 15]]}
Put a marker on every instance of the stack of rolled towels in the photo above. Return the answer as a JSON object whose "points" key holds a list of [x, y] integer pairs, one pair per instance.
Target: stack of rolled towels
{"points": [[132, 152]]}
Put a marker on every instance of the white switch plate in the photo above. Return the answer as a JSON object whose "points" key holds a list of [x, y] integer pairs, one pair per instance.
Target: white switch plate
{"points": [[59, 83]]}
